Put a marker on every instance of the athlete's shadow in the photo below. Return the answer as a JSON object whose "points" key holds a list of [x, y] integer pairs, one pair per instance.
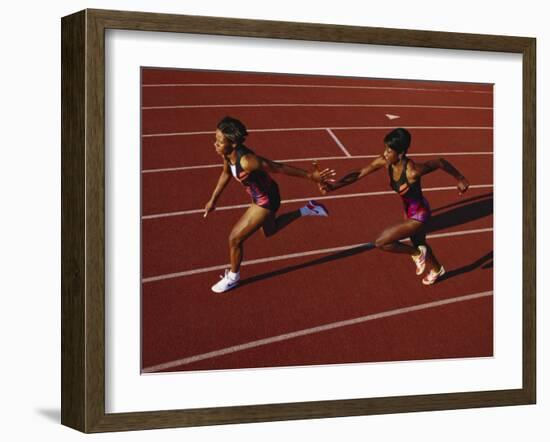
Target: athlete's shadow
{"points": [[323, 260], [454, 214], [485, 262], [478, 207]]}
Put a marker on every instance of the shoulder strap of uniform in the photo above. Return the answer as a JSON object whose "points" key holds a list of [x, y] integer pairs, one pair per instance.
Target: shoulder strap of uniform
{"points": [[403, 176]]}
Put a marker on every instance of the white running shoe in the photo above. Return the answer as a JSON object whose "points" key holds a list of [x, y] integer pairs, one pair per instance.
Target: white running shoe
{"points": [[433, 276], [313, 208], [420, 260], [226, 283]]}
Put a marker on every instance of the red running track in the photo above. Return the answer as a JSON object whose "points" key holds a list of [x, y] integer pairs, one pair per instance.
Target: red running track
{"points": [[273, 318], [171, 121], [197, 150], [169, 192]]}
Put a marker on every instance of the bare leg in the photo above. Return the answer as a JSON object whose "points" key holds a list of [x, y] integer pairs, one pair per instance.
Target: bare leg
{"points": [[388, 240], [273, 224], [252, 220]]}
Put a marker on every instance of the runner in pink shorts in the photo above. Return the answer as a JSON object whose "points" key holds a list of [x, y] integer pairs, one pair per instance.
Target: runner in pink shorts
{"points": [[253, 173], [405, 176]]}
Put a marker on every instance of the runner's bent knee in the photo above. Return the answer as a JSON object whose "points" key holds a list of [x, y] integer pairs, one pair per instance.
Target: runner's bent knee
{"points": [[235, 239], [381, 241]]}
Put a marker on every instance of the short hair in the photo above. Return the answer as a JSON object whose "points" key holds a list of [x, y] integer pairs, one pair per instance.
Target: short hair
{"points": [[398, 139], [233, 129]]}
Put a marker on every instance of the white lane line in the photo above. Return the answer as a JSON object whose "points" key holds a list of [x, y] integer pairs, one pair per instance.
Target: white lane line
{"points": [[316, 198], [207, 106], [298, 255], [295, 160], [314, 330], [298, 129], [313, 86], [339, 143]]}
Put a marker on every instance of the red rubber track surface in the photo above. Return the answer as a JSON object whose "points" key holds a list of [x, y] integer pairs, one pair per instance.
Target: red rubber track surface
{"points": [[170, 191], [196, 150], [182, 318], [236, 94], [166, 121]]}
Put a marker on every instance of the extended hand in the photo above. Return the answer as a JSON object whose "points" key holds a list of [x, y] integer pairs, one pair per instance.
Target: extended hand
{"points": [[321, 176]]}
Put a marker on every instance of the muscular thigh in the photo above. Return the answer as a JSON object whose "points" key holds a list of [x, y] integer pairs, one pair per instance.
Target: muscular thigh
{"points": [[252, 220], [400, 231]]}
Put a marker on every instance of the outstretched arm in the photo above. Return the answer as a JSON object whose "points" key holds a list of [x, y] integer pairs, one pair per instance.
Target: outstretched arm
{"points": [[354, 176], [224, 178], [441, 163], [253, 162]]}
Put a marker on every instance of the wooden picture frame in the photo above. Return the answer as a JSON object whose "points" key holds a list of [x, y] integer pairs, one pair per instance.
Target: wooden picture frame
{"points": [[83, 220]]}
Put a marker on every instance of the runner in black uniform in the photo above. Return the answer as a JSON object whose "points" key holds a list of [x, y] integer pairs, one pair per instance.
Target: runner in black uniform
{"points": [[252, 171], [415, 206], [263, 190], [405, 177]]}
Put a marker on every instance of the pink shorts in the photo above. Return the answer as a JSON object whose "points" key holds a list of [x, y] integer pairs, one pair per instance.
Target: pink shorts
{"points": [[418, 210]]}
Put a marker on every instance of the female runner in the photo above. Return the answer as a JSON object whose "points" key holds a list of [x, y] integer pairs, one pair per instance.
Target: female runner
{"points": [[252, 171], [405, 177]]}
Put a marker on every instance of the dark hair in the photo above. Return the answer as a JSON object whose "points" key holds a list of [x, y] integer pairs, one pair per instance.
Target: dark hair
{"points": [[398, 139], [233, 130]]}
